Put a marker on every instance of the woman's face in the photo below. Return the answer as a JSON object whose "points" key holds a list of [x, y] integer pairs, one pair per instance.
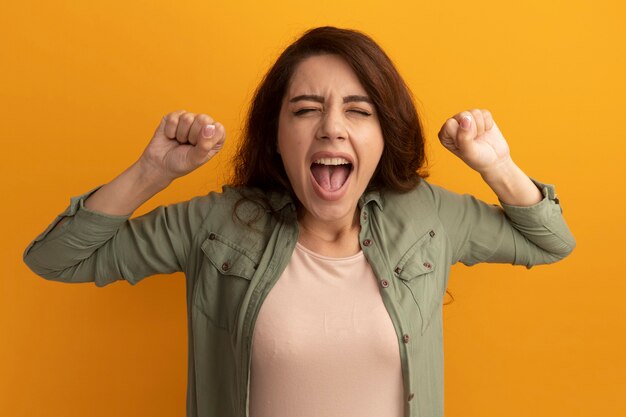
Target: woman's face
{"points": [[329, 138]]}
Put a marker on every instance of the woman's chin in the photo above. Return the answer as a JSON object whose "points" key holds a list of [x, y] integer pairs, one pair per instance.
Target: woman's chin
{"points": [[338, 211]]}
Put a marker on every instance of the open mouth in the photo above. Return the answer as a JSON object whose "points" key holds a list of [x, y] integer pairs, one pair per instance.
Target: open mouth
{"points": [[331, 173]]}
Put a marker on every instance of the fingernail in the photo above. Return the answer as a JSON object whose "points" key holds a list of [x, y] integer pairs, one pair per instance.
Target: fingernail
{"points": [[466, 122], [208, 131]]}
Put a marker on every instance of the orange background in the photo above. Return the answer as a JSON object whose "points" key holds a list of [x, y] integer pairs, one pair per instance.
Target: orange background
{"points": [[84, 84]]}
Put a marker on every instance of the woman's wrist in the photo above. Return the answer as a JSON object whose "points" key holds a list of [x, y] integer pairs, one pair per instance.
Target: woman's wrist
{"points": [[152, 176], [511, 184]]}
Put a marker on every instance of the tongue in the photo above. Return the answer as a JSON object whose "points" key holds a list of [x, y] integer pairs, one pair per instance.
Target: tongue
{"points": [[330, 177]]}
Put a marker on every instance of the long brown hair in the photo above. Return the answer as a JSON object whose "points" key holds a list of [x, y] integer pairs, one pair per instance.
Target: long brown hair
{"points": [[258, 164]]}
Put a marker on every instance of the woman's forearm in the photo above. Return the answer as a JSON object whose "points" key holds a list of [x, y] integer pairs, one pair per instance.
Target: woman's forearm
{"points": [[129, 190]]}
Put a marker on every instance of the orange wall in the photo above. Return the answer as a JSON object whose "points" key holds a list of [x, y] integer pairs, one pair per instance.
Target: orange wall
{"points": [[84, 84]]}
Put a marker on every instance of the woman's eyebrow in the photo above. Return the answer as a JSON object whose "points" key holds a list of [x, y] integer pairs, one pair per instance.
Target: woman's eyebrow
{"points": [[320, 99], [352, 99], [307, 97]]}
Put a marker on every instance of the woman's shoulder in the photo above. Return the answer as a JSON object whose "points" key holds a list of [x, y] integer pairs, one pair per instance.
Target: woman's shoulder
{"points": [[230, 197], [237, 207], [426, 202], [424, 194]]}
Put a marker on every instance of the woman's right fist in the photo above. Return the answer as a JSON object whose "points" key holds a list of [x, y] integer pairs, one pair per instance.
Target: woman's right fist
{"points": [[183, 142]]}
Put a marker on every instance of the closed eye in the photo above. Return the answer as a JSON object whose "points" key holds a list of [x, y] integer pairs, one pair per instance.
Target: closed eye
{"points": [[361, 112], [301, 112]]}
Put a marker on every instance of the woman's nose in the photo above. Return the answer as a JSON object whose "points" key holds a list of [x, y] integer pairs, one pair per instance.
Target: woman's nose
{"points": [[332, 125]]}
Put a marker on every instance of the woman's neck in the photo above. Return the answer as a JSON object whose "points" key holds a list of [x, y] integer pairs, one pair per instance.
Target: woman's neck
{"points": [[332, 239]]}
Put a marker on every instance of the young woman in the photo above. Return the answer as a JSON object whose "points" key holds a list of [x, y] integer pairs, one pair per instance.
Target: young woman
{"points": [[315, 280]]}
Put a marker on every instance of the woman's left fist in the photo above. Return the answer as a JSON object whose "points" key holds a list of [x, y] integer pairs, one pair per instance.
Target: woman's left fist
{"points": [[474, 137]]}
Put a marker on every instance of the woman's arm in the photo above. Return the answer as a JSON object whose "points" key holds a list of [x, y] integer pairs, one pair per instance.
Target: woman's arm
{"points": [[181, 143], [93, 240], [529, 229]]}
